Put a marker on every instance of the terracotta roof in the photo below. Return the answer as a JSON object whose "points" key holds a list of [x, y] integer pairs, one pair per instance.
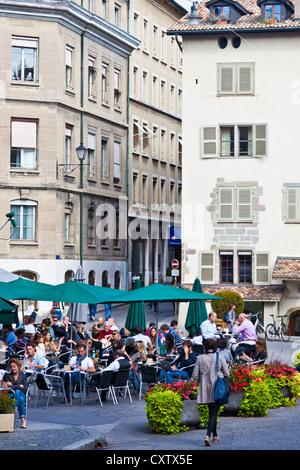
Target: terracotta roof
{"points": [[250, 21], [286, 268], [271, 293]]}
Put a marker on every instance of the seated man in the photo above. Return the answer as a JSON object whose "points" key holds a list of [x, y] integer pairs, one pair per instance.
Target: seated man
{"points": [[11, 337], [32, 360], [79, 363], [106, 332], [186, 358], [208, 327], [246, 328]]}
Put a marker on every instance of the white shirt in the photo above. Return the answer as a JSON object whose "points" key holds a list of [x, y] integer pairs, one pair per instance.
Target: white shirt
{"points": [[115, 365], [144, 338], [30, 329], [87, 363]]}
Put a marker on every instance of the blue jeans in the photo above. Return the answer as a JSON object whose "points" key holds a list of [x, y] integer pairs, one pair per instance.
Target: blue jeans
{"points": [[170, 375], [108, 311], [92, 310], [20, 398], [75, 377]]}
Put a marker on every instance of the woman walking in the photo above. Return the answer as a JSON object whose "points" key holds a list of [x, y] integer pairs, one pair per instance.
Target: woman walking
{"points": [[205, 372]]}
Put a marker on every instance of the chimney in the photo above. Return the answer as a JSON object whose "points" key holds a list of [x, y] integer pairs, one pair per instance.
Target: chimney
{"points": [[194, 19]]}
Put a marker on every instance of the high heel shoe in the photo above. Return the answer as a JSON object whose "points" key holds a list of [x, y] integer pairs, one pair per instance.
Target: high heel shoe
{"points": [[216, 439], [207, 442]]}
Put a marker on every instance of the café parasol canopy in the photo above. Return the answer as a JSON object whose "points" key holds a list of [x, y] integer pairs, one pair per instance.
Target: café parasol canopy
{"points": [[136, 312], [197, 312]]}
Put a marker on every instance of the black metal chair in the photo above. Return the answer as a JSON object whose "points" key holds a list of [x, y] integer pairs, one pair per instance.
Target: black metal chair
{"points": [[121, 382], [99, 381], [187, 369], [149, 375], [48, 384]]}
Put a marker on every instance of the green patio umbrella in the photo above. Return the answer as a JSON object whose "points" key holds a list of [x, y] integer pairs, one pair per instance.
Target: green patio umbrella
{"points": [[136, 312], [159, 293], [197, 312], [8, 312]]}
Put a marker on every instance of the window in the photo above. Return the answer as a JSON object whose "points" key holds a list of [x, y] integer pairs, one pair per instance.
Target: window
{"points": [[136, 137], [226, 267], [293, 204], [23, 144], [162, 94], [221, 14], [154, 190], [135, 82], [155, 38], [104, 159], [24, 59], [172, 147], [91, 226], [117, 91], [104, 83], [104, 9], [145, 140], [234, 141], [154, 142], [134, 188], [91, 6], [273, 13], [245, 267], [227, 141], [117, 15], [145, 190], [162, 191], [262, 268], [135, 31], [117, 161], [154, 91], [163, 144], [25, 213], [145, 86], [179, 151], [67, 228], [91, 154], [235, 204], [69, 66], [145, 35], [92, 72], [163, 45], [68, 146], [235, 79], [207, 266]]}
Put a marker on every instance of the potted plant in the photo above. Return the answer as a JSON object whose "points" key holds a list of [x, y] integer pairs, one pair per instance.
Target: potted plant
{"points": [[7, 412], [173, 408]]}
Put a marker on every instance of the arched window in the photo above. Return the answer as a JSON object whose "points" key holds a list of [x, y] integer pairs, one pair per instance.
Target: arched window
{"points": [[69, 276], [92, 277], [104, 279], [117, 284]]}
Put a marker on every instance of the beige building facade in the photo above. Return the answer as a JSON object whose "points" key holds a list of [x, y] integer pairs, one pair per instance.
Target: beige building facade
{"points": [[155, 143], [64, 81]]}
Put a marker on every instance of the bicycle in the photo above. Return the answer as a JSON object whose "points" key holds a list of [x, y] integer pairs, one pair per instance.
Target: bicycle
{"points": [[282, 331], [259, 328]]}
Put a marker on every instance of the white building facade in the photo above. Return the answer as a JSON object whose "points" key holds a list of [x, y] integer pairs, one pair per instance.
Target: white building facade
{"points": [[241, 168]]}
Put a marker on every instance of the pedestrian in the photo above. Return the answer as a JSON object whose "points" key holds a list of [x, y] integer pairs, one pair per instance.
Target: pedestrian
{"points": [[108, 308], [205, 372], [92, 311], [229, 317]]}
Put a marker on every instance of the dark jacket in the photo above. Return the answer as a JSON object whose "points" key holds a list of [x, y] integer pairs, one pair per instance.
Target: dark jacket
{"points": [[182, 362], [22, 380]]}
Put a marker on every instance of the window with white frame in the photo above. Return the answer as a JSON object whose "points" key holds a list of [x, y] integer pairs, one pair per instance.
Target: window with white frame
{"points": [[24, 61], [293, 203], [135, 82], [163, 46], [145, 86], [104, 9], [235, 79], [104, 158], [154, 90], [117, 15], [117, 161], [135, 25], [235, 204], [162, 94], [117, 88], [134, 187], [104, 83], [23, 151], [67, 228], [91, 154], [144, 189], [145, 35], [68, 146], [136, 136], [234, 140], [92, 72], [25, 216], [69, 66]]}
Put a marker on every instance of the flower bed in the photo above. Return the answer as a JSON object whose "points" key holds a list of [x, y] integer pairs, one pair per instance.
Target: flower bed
{"points": [[262, 387]]}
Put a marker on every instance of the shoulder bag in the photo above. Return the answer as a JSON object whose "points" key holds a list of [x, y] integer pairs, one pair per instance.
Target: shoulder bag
{"points": [[222, 388]]}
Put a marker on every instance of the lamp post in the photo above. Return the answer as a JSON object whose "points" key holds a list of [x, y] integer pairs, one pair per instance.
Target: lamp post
{"points": [[81, 154]]}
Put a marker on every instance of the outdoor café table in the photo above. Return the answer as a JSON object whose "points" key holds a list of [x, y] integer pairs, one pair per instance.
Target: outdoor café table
{"points": [[63, 373]]}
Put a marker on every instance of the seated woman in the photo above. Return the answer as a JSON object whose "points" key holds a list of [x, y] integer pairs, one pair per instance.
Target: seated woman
{"points": [[154, 339], [170, 343], [260, 353], [224, 350], [38, 340], [50, 347], [197, 339], [17, 381]]}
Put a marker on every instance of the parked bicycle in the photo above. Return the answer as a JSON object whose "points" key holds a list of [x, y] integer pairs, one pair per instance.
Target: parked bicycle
{"points": [[259, 328], [282, 330]]}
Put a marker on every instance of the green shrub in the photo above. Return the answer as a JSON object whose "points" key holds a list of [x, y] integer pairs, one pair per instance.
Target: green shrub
{"points": [[7, 404], [164, 411], [222, 306]]}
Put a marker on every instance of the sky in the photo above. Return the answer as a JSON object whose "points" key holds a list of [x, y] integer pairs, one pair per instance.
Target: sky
{"points": [[185, 3]]}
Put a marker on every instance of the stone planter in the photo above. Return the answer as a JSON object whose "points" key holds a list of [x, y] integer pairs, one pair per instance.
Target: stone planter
{"points": [[190, 414], [233, 406], [7, 422]]}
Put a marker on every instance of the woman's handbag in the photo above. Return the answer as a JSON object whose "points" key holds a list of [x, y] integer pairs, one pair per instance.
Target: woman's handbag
{"points": [[222, 388]]}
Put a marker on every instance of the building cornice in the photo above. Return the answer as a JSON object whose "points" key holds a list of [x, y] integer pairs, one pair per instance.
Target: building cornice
{"points": [[74, 17]]}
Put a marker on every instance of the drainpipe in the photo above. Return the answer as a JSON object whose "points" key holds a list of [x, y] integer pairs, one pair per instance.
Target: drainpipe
{"points": [[81, 143]]}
